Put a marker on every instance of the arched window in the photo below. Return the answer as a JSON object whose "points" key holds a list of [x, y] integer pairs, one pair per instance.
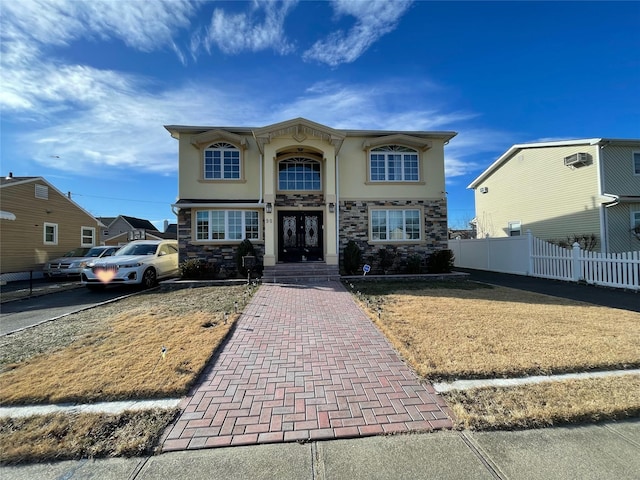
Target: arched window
{"points": [[299, 173], [393, 163], [221, 162]]}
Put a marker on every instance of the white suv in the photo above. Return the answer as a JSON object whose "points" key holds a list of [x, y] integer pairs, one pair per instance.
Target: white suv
{"points": [[142, 262]]}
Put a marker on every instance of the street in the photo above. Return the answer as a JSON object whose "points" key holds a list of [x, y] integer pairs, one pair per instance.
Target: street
{"points": [[19, 314]]}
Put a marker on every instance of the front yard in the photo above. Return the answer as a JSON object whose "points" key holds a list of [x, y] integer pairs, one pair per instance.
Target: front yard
{"points": [[466, 330], [155, 345]]}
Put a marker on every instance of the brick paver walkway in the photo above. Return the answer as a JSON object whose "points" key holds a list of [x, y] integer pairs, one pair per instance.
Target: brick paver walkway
{"points": [[304, 363]]}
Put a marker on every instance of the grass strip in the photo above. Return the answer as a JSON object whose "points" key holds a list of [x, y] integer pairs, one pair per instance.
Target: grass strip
{"points": [[546, 404], [61, 436], [121, 357], [452, 331]]}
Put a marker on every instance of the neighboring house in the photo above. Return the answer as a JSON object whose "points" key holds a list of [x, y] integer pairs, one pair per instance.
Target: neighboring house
{"points": [[299, 191], [561, 189], [39, 223], [123, 229]]}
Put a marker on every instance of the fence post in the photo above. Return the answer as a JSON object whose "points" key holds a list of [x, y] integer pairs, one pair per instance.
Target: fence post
{"points": [[530, 251], [576, 266]]}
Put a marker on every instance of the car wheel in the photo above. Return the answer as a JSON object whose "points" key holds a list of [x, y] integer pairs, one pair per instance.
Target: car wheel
{"points": [[95, 288], [149, 278]]}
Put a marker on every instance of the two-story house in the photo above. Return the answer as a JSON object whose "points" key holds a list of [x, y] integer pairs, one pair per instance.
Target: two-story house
{"points": [[564, 189], [299, 191], [39, 223]]}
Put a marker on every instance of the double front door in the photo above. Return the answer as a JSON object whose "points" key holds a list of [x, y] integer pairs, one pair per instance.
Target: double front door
{"points": [[300, 236]]}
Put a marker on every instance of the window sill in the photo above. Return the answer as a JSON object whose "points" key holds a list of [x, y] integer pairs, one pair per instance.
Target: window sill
{"points": [[224, 242], [394, 182], [396, 242], [221, 180]]}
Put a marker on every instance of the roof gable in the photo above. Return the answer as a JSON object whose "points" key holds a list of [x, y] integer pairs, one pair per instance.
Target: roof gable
{"points": [[300, 129]]}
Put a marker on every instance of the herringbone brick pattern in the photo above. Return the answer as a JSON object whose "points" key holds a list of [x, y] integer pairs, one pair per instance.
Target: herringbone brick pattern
{"points": [[304, 363]]}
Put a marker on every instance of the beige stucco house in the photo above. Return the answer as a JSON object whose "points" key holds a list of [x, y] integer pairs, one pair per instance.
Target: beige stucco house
{"points": [[564, 188], [39, 223], [299, 191]]}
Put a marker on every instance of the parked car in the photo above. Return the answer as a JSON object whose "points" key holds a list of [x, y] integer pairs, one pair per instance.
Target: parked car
{"points": [[72, 263], [141, 262]]}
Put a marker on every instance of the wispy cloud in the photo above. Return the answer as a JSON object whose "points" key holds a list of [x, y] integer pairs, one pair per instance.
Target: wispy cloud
{"points": [[373, 20], [261, 28]]}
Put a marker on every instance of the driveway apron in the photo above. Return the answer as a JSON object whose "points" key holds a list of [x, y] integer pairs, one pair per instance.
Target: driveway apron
{"points": [[304, 363]]}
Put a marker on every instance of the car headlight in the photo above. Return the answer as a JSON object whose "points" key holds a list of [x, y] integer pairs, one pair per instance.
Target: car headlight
{"points": [[130, 265]]}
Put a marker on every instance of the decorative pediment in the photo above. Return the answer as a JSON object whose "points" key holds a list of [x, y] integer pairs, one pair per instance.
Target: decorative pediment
{"points": [[300, 129], [207, 138], [398, 139]]}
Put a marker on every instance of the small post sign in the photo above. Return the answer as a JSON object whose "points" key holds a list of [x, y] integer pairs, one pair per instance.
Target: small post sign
{"points": [[366, 269]]}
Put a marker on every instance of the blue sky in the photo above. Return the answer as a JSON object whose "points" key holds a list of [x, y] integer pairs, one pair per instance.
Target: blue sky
{"points": [[86, 86]]}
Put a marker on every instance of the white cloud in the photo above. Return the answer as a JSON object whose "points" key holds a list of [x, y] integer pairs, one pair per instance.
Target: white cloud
{"points": [[374, 19], [260, 29]]}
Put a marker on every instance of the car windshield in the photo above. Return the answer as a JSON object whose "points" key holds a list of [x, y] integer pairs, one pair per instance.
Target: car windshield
{"points": [[95, 252], [77, 252], [138, 249]]}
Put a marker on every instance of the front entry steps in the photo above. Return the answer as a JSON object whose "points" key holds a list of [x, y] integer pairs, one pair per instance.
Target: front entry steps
{"points": [[303, 272]]}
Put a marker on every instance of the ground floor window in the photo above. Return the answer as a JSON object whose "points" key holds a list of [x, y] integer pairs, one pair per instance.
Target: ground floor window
{"points": [[51, 233], [515, 229], [395, 225], [227, 225], [88, 236]]}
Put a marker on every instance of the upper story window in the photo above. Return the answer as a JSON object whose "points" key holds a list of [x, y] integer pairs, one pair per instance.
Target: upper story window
{"points": [[222, 162], [636, 163], [514, 229], [299, 174], [393, 163]]}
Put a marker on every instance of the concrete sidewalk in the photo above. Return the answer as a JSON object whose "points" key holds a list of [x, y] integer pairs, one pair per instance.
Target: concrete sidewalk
{"points": [[605, 451]]}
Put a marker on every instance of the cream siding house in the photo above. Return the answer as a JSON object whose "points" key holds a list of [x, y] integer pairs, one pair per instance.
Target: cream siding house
{"points": [[565, 188], [299, 191], [39, 223]]}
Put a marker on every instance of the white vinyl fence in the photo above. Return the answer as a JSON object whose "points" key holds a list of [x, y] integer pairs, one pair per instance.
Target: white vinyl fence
{"points": [[528, 255]]}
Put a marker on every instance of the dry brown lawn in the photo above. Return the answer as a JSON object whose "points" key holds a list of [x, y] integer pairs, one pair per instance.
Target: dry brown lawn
{"points": [[450, 331], [62, 436], [546, 404], [116, 351]]}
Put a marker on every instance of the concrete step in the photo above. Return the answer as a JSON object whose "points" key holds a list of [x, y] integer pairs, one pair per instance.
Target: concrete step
{"points": [[303, 272]]}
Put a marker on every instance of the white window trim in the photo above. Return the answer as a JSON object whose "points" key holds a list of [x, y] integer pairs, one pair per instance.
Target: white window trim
{"points": [[226, 227], [635, 221], [399, 240], [55, 233], [633, 162], [511, 229], [93, 237], [222, 178], [374, 151]]}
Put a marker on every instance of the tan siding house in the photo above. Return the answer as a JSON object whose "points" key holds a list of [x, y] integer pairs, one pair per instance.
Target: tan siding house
{"points": [[39, 223], [561, 189], [299, 191]]}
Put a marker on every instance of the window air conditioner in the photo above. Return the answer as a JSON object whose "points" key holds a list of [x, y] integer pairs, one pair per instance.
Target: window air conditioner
{"points": [[577, 160]]}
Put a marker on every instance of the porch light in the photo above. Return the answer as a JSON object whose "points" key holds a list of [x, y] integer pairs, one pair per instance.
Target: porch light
{"points": [[269, 207], [332, 207]]}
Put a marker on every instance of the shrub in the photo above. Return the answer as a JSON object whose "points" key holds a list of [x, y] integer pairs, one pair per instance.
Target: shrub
{"points": [[440, 261], [198, 269], [352, 258], [387, 257], [244, 249], [414, 264]]}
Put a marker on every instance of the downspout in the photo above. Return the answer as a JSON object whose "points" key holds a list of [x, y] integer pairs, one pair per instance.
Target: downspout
{"points": [[604, 231], [260, 201], [338, 208]]}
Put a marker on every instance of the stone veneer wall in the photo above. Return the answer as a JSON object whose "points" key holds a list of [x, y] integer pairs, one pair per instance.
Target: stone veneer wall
{"points": [[222, 255], [354, 225], [307, 200]]}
